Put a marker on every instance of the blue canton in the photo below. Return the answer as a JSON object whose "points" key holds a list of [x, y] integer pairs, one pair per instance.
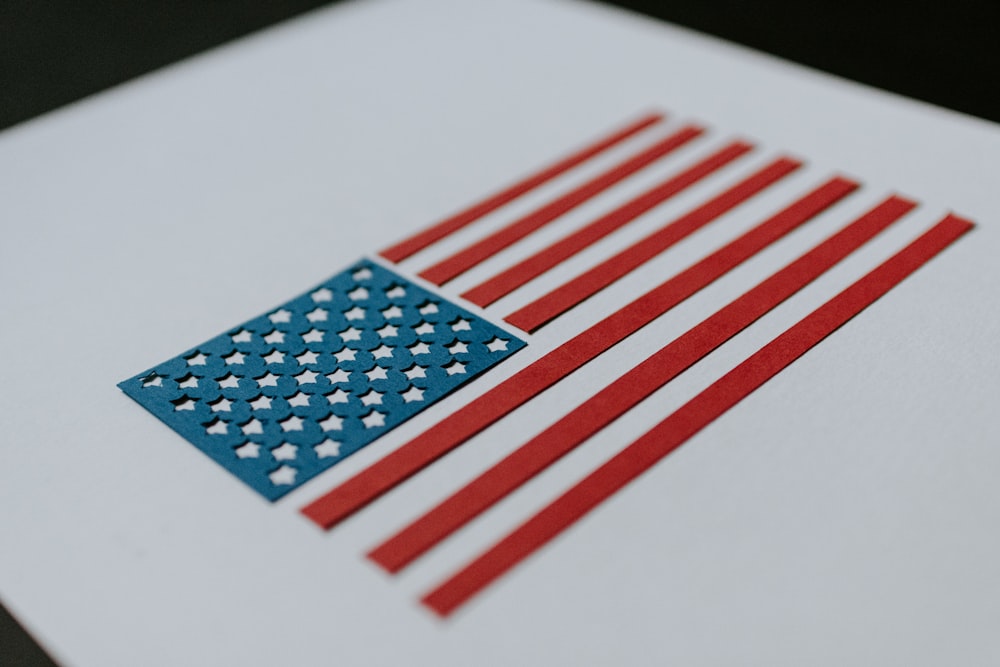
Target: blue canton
{"points": [[288, 394]]}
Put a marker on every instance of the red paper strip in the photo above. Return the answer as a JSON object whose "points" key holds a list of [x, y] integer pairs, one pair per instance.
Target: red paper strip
{"points": [[693, 416], [534, 266], [356, 492], [531, 317], [626, 392], [464, 260]]}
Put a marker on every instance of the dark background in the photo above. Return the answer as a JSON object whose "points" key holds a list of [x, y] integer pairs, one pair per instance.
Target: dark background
{"points": [[53, 52]]}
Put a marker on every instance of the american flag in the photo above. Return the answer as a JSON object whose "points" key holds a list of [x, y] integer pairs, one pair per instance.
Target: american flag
{"points": [[287, 395]]}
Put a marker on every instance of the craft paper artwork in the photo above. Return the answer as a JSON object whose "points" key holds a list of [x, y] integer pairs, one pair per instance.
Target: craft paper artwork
{"points": [[288, 394]]}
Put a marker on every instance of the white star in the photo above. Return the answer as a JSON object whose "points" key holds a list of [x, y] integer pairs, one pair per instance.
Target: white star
{"points": [[313, 336], [292, 423], [274, 357], [497, 345], [347, 354], [322, 294], [216, 427], [420, 347], [339, 375], [413, 394], [154, 380], [316, 315], [235, 358], [388, 331], [362, 274], [371, 398], [196, 359], [356, 313], [461, 325], [221, 405], [286, 452], [424, 328], [373, 419], [228, 381], [396, 292], [184, 403], [358, 294], [275, 337], [327, 448], [261, 403], [337, 396], [249, 450], [282, 476], [242, 336], [280, 316], [252, 427], [187, 382], [414, 372], [382, 352], [458, 347], [429, 308], [332, 423], [268, 380], [307, 357], [377, 373], [298, 400], [392, 312], [306, 377], [350, 334], [455, 368]]}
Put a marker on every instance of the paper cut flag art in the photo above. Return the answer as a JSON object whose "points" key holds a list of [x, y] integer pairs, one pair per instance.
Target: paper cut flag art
{"points": [[284, 396]]}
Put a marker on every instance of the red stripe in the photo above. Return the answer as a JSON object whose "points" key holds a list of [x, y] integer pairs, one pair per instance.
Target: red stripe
{"points": [[418, 242], [561, 299], [542, 261], [697, 413], [452, 431], [464, 260], [626, 392]]}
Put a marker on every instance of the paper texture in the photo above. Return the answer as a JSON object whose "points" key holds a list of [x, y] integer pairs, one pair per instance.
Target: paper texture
{"points": [[843, 513]]}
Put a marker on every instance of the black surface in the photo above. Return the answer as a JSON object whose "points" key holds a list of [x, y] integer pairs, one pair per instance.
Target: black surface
{"points": [[53, 52]]}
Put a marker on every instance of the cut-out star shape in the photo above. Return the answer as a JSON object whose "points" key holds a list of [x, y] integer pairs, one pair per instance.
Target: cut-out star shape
{"points": [[184, 403], [221, 405], [154, 380], [413, 394], [322, 294], [461, 325], [496, 345], [248, 450], [313, 336], [261, 403], [458, 347], [286, 452], [392, 312], [306, 377], [358, 294], [327, 449], [196, 359], [388, 331], [362, 274], [337, 396], [268, 380], [420, 347], [317, 315], [307, 357], [414, 372], [252, 427], [347, 354], [350, 334], [275, 357], [228, 381], [396, 292], [428, 308], [424, 328], [242, 336], [298, 400], [371, 398], [234, 358], [187, 382], [280, 317], [283, 476], [275, 337], [292, 423], [216, 427], [455, 368], [377, 373], [356, 313], [382, 352], [373, 419], [339, 375], [332, 423]]}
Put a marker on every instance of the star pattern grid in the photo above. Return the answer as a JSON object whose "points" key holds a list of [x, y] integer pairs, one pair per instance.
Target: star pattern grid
{"points": [[291, 393]]}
